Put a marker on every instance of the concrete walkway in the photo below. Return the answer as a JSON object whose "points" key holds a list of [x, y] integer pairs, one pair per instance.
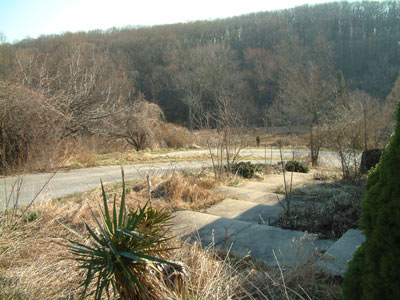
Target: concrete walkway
{"points": [[242, 223]]}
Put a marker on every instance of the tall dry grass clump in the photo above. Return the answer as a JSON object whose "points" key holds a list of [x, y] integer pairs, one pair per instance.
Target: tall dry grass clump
{"points": [[186, 192], [32, 265]]}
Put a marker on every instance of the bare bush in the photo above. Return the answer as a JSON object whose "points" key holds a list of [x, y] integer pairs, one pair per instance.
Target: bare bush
{"points": [[355, 125], [29, 128], [173, 136], [139, 124]]}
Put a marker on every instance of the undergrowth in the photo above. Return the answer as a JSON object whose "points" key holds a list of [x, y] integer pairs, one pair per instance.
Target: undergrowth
{"points": [[34, 266], [328, 208]]}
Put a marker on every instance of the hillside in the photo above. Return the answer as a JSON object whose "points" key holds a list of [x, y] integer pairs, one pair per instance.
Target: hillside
{"points": [[318, 67], [360, 39]]}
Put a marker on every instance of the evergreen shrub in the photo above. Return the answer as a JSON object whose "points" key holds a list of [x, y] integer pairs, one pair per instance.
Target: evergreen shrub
{"points": [[245, 169], [374, 272], [295, 166]]}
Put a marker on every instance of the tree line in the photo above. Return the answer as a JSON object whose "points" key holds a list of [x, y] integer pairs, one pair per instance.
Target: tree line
{"points": [[361, 39], [288, 67]]}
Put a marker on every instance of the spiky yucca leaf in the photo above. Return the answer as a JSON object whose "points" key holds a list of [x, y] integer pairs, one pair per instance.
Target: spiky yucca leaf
{"points": [[116, 254]]}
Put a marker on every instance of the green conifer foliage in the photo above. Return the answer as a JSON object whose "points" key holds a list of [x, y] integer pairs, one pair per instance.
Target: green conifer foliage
{"points": [[374, 272]]}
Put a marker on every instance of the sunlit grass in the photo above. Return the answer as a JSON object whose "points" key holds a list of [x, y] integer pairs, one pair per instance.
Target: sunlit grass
{"points": [[131, 157]]}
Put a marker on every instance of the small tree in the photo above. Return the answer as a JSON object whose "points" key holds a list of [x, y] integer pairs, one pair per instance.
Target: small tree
{"points": [[353, 124], [374, 271]]}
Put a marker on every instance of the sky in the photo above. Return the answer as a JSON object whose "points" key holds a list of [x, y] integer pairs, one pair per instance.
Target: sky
{"points": [[21, 19]]}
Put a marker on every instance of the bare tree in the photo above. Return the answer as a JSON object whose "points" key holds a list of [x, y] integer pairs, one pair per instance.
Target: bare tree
{"points": [[209, 80], [307, 90], [306, 99], [355, 124], [81, 82], [188, 78], [222, 82], [3, 38]]}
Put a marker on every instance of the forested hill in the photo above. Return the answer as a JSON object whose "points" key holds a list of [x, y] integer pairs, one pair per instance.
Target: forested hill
{"points": [[186, 67]]}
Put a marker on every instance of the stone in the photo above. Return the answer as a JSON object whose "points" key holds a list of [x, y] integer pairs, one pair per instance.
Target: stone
{"points": [[340, 253], [369, 159]]}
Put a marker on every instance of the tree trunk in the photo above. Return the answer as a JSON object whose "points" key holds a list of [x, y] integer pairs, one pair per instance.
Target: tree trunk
{"points": [[314, 147], [190, 117]]}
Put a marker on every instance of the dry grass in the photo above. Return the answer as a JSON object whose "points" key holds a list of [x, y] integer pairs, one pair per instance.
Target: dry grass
{"points": [[180, 192], [89, 151], [34, 266], [271, 136]]}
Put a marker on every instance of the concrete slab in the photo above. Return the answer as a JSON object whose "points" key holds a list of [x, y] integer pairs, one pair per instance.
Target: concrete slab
{"points": [[268, 199], [337, 256], [209, 230], [239, 193], [246, 211], [323, 245], [249, 195], [273, 181], [266, 244], [262, 186]]}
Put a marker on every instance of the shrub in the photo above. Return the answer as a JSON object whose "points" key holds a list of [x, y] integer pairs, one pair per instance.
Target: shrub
{"points": [[244, 169], [173, 136], [295, 166], [330, 209], [29, 129], [121, 248], [374, 271]]}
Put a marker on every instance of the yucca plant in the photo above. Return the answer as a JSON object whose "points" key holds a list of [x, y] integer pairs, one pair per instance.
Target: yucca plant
{"points": [[118, 252]]}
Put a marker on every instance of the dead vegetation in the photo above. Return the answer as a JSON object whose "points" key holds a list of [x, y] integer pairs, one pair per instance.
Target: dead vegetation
{"points": [[27, 126], [186, 192], [328, 208], [37, 133], [34, 266]]}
